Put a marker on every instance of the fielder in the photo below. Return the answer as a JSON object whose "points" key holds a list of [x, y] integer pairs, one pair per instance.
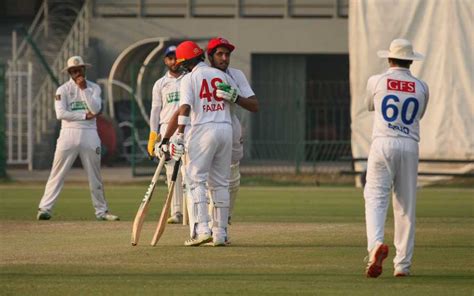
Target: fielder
{"points": [[208, 143], [399, 100], [218, 53], [165, 100], [77, 104]]}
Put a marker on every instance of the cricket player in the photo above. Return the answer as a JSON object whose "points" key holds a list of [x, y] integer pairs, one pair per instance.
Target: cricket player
{"points": [[77, 104], [165, 100], [218, 52], [399, 100], [208, 143]]}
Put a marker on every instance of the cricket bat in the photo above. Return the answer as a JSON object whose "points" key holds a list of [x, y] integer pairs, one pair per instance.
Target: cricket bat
{"points": [[145, 205], [166, 207]]}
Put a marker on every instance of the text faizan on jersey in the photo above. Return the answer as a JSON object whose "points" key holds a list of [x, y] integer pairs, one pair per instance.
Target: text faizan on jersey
{"points": [[72, 104], [399, 101], [198, 89]]}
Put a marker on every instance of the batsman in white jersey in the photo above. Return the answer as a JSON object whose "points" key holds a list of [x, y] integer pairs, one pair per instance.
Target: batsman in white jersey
{"points": [[208, 144], [399, 100], [218, 52], [77, 104], [165, 101]]}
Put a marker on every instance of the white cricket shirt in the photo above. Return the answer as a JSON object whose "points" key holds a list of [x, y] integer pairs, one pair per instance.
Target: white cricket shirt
{"points": [[198, 90], [399, 101], [165, 100], [72, 104]]}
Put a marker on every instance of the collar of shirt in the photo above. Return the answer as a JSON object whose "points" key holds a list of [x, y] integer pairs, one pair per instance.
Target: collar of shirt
{"points": [[168, 74], [394, 69], [201, 64]]}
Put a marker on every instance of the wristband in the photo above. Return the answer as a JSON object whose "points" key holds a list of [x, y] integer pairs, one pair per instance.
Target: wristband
{"points": [[183, 120]]}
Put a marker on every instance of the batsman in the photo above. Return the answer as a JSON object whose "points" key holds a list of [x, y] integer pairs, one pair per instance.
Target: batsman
{"points": [[165, 99]]}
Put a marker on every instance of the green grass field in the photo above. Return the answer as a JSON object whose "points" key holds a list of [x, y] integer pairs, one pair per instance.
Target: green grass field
{"points": [[285, 241]]}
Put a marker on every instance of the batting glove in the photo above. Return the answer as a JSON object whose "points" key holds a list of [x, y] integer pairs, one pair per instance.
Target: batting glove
{"points": [[153, 138], [177, 147], [227, 92], [162, 149]]}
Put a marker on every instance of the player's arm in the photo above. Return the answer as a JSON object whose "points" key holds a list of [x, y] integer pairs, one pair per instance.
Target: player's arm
{"points": [[427, 98], [369, 97], [156, 106], [60, 106], [249, 104], [183, 117], [91, 96], [247, 98]]}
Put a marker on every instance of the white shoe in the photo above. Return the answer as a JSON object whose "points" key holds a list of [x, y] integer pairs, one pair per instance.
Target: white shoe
{"points": [[199, 240], [219, 242], [375, 260], [108, 217], [401, 273], [175, 219]]}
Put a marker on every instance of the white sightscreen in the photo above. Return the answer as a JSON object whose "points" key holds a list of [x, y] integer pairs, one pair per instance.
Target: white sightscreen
{"points": [[442, 31]]}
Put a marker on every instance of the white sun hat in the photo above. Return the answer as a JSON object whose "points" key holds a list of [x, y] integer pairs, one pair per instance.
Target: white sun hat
{"points": [[401, 49], [75, 61]]}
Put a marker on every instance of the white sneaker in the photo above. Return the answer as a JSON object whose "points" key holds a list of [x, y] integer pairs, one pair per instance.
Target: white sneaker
{"points": [[375, 260], [199, 240], [401, 273], [175, 219], [108, 217], [219, 242]]}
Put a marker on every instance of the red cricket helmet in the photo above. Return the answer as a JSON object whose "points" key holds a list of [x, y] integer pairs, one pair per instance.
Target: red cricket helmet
{"points": [[186, 51], [218, 41]]}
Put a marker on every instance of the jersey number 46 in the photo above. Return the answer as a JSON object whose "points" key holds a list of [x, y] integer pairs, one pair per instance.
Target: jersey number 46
{"points": [[204, 93], [407, 117]]}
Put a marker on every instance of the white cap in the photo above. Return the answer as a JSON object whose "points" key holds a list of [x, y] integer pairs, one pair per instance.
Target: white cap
{"points": [[401, 49], [75, 61]]}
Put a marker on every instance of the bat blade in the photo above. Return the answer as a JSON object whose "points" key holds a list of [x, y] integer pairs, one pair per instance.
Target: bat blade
{"points": [[160, 229], [145, 205]]}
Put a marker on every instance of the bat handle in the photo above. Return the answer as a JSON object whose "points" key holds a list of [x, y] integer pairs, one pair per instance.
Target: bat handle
{"points": [[175, 170]]}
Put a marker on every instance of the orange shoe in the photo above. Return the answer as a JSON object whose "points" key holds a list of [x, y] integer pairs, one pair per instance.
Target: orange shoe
{"points": [[376, 258]]}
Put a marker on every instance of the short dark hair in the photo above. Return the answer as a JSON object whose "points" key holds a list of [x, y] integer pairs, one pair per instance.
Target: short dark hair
{"points": [[194, 61], [401, 63]]}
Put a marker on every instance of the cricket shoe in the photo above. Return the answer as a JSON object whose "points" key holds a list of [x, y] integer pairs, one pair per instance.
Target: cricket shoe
{"points": [[108, 217], [400, 273], [43, 215], [175, 219], [219, 242], [375, 260], [198, 240]]}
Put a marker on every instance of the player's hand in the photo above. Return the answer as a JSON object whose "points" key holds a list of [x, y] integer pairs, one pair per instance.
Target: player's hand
{"points": [[90, 115], [153, 138], [162, 149], [227, 92], [81, 82], [177, 147]]}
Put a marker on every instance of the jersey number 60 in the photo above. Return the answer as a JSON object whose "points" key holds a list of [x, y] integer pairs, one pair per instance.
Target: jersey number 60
{"points": [[404, 114]]}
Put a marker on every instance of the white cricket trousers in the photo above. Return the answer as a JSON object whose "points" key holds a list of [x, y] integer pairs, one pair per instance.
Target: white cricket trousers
{"points": [[392, 161], [71, 143], [209, 149]]}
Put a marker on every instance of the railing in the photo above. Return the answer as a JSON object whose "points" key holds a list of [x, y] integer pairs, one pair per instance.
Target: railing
{"points": [[220, 9], [75, 44]]}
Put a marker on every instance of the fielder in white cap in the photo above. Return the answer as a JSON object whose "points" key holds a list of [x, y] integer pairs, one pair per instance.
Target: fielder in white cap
{"points": [[77, 104], [399, 100]]}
